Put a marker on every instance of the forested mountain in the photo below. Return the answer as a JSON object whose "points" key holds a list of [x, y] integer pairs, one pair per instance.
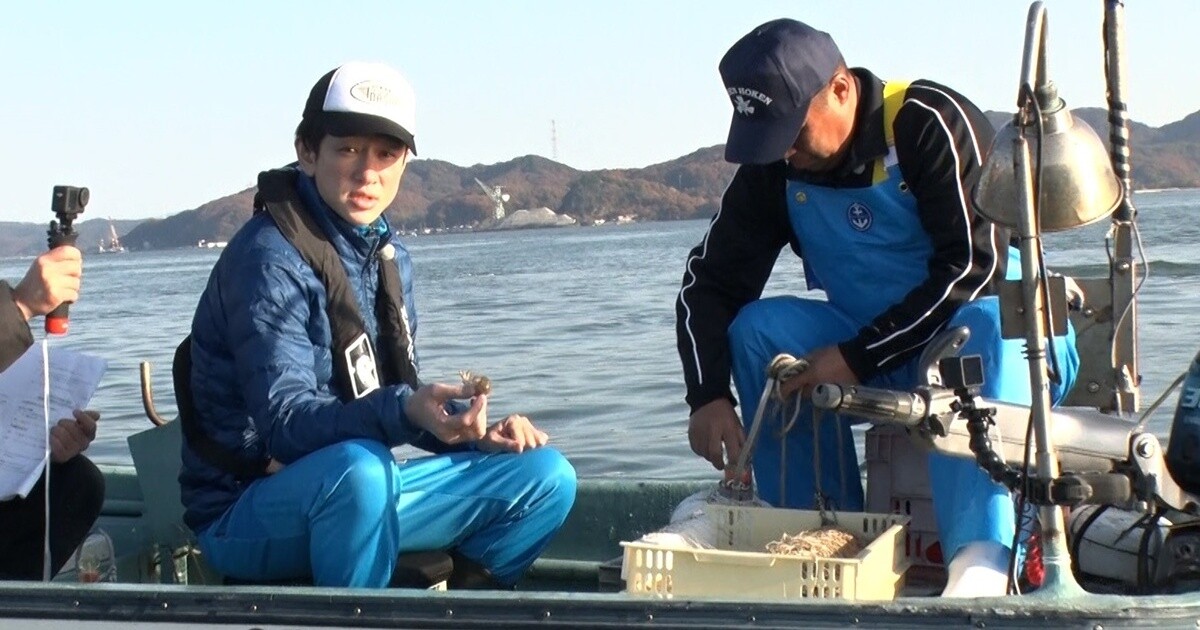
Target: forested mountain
{"points": [[437, 194]]}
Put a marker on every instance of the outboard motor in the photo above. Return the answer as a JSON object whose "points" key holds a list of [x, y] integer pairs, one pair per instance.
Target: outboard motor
{"points": [[1183, 448], [1156, 551], [1181, 553]]}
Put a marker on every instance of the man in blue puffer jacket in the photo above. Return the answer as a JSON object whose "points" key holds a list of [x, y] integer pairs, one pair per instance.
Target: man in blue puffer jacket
{"points": [[303, 375]]}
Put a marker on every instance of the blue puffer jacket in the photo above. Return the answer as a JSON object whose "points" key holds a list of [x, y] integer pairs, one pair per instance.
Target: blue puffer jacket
{"points": [[262, 365]]}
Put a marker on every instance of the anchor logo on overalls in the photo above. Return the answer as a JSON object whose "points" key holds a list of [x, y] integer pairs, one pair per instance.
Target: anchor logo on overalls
{"points": [[859, 217]]}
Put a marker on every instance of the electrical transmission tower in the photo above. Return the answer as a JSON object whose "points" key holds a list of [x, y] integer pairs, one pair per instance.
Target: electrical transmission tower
{"points": [[553, 141]]}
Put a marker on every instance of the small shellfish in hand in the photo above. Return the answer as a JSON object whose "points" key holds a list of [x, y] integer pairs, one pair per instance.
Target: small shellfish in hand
{"points": [[479, 383]]}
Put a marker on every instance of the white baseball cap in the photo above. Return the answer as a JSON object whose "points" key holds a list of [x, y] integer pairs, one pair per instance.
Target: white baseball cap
{"points": [[362, 98]]}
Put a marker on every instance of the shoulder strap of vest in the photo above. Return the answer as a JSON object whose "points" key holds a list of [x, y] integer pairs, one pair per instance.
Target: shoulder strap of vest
{"points": [[200, 442], [893, 98], [277, 196], [394, 332]]}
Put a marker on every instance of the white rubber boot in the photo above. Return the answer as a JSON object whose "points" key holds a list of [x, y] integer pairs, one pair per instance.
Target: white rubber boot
{"points": [[979, 569]]}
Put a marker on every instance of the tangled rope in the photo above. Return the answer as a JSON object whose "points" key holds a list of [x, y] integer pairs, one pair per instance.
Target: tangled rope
{"points": [[825, 542], [737, 486], [829, 540]]}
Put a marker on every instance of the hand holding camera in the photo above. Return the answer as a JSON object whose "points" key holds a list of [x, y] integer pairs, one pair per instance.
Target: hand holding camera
{"points": [[53, 280]]}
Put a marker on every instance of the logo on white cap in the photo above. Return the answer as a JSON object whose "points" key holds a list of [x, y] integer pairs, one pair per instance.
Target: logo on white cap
{"points": [[372, 88], [374, 92]]}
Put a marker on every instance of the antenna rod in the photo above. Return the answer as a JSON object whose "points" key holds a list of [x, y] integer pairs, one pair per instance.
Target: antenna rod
{"points": [[553, 141], [1123, 273]]}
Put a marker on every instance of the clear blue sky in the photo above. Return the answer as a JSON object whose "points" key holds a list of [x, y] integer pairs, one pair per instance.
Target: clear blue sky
{"points": [[161, 106]]}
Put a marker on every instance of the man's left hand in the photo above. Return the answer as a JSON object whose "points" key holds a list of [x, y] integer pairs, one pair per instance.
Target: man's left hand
{"points": [[826, 365], [71, 437], [514, 434]]}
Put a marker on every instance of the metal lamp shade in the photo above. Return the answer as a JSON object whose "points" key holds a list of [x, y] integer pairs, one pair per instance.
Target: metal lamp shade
{"points": [[1077, 179]]}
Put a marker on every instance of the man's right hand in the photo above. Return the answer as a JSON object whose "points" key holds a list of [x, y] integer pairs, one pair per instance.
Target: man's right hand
{"points": [[52, 279], [713, 426], [426, 409]]}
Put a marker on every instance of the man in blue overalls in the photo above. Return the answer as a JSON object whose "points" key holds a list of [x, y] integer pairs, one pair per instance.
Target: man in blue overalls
{"points": [[868, 181]]}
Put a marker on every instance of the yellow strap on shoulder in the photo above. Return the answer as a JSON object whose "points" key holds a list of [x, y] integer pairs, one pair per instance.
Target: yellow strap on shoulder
{"points": [[893, 98]]}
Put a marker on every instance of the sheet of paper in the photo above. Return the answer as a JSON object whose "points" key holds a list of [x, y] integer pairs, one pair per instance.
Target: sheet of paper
{"points": [[73, 376]]}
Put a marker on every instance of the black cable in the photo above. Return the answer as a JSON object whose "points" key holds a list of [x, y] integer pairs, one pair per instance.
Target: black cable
{"points": [[1022, 500], [1077, 538], [1144, 582], [1041, 253]]}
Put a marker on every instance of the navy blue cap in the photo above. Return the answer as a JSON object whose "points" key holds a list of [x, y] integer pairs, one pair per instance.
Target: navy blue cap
{"points": [[771, 75]]}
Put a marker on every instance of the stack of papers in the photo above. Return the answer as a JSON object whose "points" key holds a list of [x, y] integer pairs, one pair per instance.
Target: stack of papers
{"points": [[73, 378]]}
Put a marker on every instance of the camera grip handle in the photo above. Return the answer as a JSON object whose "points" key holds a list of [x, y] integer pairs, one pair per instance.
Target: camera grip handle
{"points": [[58, 321]]}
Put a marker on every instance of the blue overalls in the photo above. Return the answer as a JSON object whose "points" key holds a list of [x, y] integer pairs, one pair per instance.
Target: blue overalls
{"points": [[867, 249]]}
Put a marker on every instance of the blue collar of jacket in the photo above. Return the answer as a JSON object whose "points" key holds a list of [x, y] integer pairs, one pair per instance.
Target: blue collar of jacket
{"points": [[353, 242]]}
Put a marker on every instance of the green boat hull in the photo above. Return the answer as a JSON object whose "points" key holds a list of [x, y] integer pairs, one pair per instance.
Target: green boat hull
{"points": [[575, 585]]}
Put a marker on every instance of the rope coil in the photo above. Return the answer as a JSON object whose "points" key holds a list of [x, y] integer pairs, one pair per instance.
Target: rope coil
{"points": [[780, 370]]}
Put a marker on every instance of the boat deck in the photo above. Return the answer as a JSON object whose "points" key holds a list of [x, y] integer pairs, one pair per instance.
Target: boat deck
{"points": [[573, 586]]}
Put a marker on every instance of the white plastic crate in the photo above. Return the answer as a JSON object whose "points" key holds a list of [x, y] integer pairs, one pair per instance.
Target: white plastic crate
{"points": [[898, 483], [740, 567]]}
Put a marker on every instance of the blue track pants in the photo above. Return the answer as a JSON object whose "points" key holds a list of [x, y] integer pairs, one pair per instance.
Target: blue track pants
{"points": [[969, 506], [343, 514]]}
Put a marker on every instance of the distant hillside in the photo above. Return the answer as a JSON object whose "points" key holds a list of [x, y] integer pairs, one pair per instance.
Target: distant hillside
{"points": [[214, 221], [28, 239], [437, 194]]}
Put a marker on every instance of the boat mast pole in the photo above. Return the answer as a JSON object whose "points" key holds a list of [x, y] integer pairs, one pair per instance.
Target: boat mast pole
{"points": [[1059, 580], [1123, 269]]}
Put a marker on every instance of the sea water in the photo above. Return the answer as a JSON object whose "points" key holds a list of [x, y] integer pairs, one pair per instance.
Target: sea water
{"points": [[574, 326]]}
